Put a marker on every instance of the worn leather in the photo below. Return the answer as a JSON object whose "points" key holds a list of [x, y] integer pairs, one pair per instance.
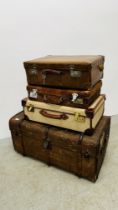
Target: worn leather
{"points": [[80, 72], [67, 97], [69, 150]]}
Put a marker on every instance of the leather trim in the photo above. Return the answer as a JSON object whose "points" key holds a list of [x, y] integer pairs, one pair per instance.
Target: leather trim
{"points": [[89, 113], [23, 102], [89, 132]]}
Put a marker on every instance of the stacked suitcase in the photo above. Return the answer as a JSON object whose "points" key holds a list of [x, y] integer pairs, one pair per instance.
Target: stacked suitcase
{"points": [[62, 122]]}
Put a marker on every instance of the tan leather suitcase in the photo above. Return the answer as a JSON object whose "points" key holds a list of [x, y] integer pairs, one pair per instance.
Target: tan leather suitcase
{"points": [[66, 97], [69, 150], [79, 72], [78, 119]]}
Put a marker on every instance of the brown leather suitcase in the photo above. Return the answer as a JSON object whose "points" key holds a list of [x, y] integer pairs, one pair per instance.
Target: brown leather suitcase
{"points": [[69, 150], [72, 98], [79, 72]]}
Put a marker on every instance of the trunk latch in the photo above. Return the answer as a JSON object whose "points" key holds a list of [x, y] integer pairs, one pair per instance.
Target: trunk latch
{"points": [[79, 117]]}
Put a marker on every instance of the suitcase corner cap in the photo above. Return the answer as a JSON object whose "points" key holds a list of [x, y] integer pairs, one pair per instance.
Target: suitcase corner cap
{"points": [[23, 102], [90, 113]]}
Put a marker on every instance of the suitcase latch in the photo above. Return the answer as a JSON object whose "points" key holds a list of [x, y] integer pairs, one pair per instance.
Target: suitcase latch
{"points": [[30, 108], [79, 117], [33, 93], [33, 70], [46, 144], [74, 73], [76, 99]]}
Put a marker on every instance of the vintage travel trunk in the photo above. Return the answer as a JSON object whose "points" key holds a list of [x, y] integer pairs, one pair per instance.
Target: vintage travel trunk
{"points": [[78, 119], [69, 150], [79, 72], [65, 97]]}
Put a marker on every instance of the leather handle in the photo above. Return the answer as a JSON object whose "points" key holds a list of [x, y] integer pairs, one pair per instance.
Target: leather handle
{"points": [[52, 71], [62, 116]]}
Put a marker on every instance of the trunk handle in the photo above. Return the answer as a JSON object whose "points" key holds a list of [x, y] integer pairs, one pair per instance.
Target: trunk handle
{"points": [[62, 116], [52, 71]]}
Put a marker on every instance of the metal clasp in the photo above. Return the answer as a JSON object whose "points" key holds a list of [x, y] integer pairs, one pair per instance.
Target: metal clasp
{"points": [[76, 99], [30, 108], [33, 93], [46, 144], [33, 70], [74, 73], [79, 117]]}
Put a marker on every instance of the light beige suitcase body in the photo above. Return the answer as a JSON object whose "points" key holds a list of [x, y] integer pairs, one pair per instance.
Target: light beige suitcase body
{"points": [[82, 120]]}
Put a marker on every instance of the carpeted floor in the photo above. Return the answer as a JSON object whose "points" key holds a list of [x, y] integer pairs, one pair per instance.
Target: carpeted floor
{"points": [[27, 184]]}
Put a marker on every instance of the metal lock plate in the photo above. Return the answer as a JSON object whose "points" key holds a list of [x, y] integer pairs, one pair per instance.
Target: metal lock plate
{"points": [[79, 117], [33, 94], [33, 70], [75, 73]]}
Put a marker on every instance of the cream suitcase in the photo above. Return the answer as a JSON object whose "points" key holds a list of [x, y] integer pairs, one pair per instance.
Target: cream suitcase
{"points": [[77, 119]]}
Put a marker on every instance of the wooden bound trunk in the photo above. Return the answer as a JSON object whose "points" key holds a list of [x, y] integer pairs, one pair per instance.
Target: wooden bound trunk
{"points": [[69, 150], [65, 97], [77, 119], [79, 72]]}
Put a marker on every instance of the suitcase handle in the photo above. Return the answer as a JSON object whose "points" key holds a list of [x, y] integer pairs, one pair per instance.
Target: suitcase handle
{"points": [[52, 71], [62, 116], [45, 71]]}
